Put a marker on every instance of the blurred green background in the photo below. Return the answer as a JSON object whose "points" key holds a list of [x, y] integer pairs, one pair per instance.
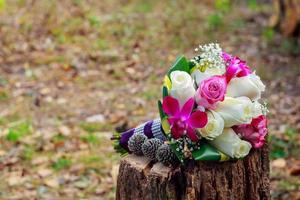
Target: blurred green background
{"points": [[71, 72]]}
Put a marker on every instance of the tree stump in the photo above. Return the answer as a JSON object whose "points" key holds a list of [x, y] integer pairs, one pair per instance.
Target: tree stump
{"points": [[139, 178]]}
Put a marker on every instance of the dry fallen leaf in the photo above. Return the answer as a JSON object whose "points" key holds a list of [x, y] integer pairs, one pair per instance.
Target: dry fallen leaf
{"points": [[295, 171], [279, 163], [52, 182], [39, 160], [64, 130], [44, 172]]}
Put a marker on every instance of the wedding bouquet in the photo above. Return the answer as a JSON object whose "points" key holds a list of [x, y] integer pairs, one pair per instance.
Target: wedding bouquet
{"points": [[210, 111]]}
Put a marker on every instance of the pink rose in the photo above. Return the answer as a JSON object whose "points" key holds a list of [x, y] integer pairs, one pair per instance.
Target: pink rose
{"points": [[211, 91], [235, 67], [255, 132]]}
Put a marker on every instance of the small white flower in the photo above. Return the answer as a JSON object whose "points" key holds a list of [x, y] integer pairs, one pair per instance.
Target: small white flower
{"points": [[211, 55]]}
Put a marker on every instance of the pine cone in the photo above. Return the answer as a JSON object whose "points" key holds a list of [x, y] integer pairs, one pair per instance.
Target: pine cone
{"points": [[150, 147], [135, 143], [165, 155]]}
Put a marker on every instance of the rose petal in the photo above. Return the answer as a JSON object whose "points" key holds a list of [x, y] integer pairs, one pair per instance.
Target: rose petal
{"points": [[191, 133], [170, 106], [187, 108], [198, 119]]}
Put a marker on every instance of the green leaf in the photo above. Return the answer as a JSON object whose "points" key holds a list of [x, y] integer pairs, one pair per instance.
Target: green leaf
{"points": [[207, 153], [165, 92], [161, 112], [180, 64], [119, 149]]}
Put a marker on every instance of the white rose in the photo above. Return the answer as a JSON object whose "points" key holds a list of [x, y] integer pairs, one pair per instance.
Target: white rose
{"points": [[235, 111], [257, 109], [182, 86], [230, 144], [200, 76], [214, 126], [250, 86]]}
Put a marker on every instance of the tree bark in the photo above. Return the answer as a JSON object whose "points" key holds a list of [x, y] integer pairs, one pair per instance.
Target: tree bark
{"points": [[286, 16], [139, 178]]}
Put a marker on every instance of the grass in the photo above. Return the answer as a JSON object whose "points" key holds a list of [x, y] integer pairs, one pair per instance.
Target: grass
{"points": [[61, 163], [282, 148], [17, 130], [90, 45], [90, 138], [2, 4], [28, 153], [268, 34], [92, 127]]}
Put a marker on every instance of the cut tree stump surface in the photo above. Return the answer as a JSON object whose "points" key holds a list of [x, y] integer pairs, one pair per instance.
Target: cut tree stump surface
{"points": [[248, 179]]}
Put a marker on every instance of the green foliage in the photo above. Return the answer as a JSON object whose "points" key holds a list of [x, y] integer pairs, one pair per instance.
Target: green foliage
{"points": [[291, 134], [290, 46], [2, 4], [150, 94], [101, 44], [144, 6], [223, 5], [252, 4], [278, 147], [3, 95], [289, 185], [58, 138], [180, 64], [77, 2], [18, 130], [281, 148], [92, 159], [90, 138], [62, 163], [214, 20], [94, 20], [28, 153], [238, 23], [3, 81], [92, 127], [268, 34]]}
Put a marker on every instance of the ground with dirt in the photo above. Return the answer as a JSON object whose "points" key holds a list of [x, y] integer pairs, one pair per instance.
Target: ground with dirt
{"points": [[71, 72]]}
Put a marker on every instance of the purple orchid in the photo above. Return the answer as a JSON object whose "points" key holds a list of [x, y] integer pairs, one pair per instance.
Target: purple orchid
{"points": [[183, 121]]}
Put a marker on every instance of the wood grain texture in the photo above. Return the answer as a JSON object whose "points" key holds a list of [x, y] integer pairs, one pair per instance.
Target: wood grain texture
{"points": [[139, 178]]}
